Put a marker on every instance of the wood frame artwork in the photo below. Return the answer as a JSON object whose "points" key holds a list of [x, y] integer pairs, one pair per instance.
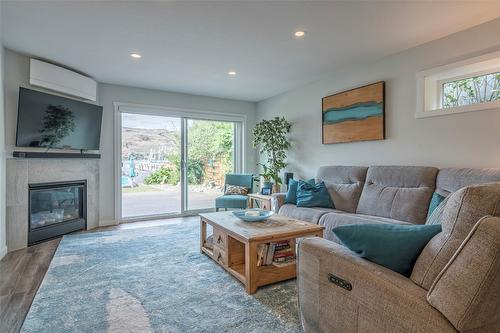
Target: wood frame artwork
{"points": [[354, 115]]}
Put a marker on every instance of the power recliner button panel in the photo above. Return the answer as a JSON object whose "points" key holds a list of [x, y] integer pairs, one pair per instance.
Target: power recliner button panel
{"points": [[340, 282]]}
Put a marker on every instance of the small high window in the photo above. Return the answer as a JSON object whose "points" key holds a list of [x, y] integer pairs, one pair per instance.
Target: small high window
{"points": [[472, 90], [470, 85]]}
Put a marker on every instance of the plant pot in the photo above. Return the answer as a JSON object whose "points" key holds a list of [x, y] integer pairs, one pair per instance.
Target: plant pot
{"points": [[276, 188], [267, 185]]}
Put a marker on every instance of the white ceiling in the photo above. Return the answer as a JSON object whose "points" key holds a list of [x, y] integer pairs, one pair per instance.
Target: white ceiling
{"points": [[190, 46]]}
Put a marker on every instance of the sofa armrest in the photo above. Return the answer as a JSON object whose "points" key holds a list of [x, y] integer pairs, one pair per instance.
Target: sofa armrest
{"points": [[342, 292], [468, 288], [277, 200]]}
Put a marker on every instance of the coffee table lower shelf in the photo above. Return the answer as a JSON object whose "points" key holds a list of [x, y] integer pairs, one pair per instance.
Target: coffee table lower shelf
{"points": [[238, 256]]}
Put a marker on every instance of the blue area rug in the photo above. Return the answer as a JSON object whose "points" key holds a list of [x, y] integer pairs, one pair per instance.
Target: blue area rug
{"points": [[152, 279]]}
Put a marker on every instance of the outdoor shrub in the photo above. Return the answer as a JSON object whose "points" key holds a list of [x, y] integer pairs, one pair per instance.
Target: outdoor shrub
{"points": [[163, 176]]}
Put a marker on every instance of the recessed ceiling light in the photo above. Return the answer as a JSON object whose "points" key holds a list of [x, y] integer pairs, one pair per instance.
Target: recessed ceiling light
{"points": [[231, 73], [135, 55], [299, 33]]}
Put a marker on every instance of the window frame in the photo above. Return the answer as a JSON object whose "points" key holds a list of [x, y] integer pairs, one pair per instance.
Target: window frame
{"points": [[430, 85]]}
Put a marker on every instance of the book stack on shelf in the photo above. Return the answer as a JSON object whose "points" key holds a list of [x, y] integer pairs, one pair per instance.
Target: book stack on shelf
{"points": [[278, 254]]}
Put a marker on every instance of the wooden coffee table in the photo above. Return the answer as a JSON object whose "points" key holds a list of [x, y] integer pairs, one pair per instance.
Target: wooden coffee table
{"points": [[235, 245]]}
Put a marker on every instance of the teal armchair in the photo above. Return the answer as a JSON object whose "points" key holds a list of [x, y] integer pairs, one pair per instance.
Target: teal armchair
{"points": [[235, 201]]}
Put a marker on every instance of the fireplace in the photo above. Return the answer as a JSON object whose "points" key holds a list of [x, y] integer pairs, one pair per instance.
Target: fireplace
{"points": [[55, 209]]}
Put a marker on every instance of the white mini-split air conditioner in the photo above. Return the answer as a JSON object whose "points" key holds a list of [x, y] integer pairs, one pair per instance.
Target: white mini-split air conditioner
{"points": [[49, 76]]}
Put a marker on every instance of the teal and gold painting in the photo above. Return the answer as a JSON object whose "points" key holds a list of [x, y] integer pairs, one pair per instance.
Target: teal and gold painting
{"points": [[355, 115]]}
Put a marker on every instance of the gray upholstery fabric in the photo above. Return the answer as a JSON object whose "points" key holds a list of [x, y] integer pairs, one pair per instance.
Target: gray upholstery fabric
{"points": [[467, 291], [398, 192], [332, 220], [462, 211], [437, 215], [380, 300], [305, 213], [344, 183], [277, 200], [452, 179]]}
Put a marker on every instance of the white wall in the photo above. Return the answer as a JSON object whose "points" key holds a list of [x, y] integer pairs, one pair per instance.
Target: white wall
{"points": [[17, 74], [113, 93], [462, 140], [3, 243]]}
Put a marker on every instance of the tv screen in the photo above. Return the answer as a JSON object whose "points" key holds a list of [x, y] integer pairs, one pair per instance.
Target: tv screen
{"points": [[49, 121]]}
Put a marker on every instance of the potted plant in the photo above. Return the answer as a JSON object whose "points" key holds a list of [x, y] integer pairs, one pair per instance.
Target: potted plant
{"points": [[266, 176], [270, 136]]}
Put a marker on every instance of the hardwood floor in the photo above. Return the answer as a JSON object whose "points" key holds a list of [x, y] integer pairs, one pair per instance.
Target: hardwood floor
{"points": [[22, 271]]}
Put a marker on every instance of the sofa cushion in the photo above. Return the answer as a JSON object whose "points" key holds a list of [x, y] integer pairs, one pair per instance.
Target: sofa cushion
{"points": [[291, 194], [394, 246], [334, 219], [316, 195], [307, 214], [380, 300], [463, 210], [344, 183], [437, 214], [436, 200], [398, 192], [467, 291], [452, 179]]}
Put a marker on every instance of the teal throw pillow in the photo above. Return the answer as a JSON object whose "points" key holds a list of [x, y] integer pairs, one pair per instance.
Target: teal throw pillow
{"points": [[309, 195], [435, 202], [291, 195], [394, 246]]}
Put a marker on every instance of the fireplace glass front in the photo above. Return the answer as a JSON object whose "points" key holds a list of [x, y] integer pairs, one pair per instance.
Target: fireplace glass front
{"points": [[56, 209]]}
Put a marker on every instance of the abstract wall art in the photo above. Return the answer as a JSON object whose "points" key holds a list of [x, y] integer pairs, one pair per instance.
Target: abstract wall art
{"points": [[355, 115]]}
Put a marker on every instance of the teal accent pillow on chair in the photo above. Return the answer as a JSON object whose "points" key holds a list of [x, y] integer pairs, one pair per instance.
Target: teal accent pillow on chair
{"points": [[291, 195], [394, 246], [309, 195]]}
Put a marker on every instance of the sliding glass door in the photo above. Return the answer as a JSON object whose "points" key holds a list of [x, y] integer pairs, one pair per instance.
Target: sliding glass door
{"points": [[174, 165], [210, 155], [151, 165]]}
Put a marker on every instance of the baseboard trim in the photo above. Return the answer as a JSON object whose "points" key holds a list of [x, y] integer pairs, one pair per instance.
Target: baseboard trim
{"points": [[3, 252], [107, 223]]}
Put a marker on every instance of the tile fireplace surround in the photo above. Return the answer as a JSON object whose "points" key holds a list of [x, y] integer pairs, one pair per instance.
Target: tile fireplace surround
{"points": [[24, 171]]}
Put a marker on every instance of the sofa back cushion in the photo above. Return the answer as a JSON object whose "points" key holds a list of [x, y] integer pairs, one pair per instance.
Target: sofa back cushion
{"points": [[467, 291], [452, 179], [398, 192], [462, 211], [344, 183]]}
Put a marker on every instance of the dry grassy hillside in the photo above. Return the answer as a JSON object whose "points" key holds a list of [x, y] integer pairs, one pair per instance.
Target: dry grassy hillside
{"points": [[141, 141]]}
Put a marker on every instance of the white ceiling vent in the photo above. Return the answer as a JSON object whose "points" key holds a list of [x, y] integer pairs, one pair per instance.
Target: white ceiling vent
{"points": [[45, 75]]}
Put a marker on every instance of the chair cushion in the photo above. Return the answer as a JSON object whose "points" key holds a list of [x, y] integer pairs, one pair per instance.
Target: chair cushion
{"points": [[463, 210], [337, 218], [398, 192], [291, 195], [231, 201], [308, 214], [316, 195], [390, 245], [344, 183]]}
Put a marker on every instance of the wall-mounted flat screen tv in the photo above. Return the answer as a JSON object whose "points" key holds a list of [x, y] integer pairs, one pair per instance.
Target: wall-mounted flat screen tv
{"points": [[49, 121]]}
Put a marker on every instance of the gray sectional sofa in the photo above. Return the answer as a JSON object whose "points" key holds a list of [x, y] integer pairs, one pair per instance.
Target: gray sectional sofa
{"points": [[381, 194], [455, 283]]}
